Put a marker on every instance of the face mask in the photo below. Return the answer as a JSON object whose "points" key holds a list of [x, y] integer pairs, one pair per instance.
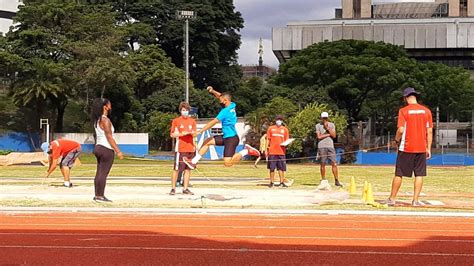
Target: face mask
{"points": [[185, 113], [279, 122]]}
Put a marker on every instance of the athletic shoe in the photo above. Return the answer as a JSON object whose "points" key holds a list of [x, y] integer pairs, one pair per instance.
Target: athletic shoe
{"points": [[289, 182], [389, 202], [101, 199], [252, 151], [187, 192], [189, 163], [172, 192], [66, 185], [283, 185], [324, 185], [270, 185], [337, 184], [178, 184], [417, 204]]}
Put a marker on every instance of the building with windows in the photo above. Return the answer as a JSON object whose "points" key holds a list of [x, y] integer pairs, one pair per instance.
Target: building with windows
{"points": [[8, 9], [430, 30]]}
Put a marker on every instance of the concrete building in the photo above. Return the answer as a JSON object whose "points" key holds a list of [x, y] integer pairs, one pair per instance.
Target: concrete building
{"points": [[262, 71], [436, 30], [8, 9]]}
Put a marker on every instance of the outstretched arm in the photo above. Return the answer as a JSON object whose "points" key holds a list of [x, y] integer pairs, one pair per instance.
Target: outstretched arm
{"points": [[213, 92], [208, 126]]}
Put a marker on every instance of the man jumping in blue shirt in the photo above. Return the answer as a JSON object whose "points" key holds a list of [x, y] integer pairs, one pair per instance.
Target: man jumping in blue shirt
{"points": [[228, 118]]}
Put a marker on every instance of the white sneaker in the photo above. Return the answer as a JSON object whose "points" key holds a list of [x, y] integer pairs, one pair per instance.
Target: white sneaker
{"points": [[324, 185], [289, 182]]}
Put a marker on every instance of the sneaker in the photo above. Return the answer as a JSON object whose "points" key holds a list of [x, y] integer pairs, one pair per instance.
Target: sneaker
{"points": [[178, 184], [389, 202], [270, 185], [67, 184], [187, 192], [337, 184], [283, 185], [189, 163], [172, 192], [289, 182], [417, 204], [324, 185], [101, 199], [252, 151]]}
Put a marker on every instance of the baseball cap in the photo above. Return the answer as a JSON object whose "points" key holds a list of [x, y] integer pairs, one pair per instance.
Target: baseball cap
{"points": [[408, 91], [45, 147], [279, 117], [324, 115]]}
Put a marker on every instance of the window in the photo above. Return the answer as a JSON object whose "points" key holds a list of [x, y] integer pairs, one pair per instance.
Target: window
{"points": [[463, 8]]}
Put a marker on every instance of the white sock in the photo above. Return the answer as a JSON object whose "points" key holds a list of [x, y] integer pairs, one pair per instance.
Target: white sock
{"points": [[66, 183], [196, 158], [244, 152]]}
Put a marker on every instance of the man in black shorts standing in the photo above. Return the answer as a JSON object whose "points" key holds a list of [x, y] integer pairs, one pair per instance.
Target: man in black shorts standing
{"points": [[325, 133], [414, 137], [229, 139]]}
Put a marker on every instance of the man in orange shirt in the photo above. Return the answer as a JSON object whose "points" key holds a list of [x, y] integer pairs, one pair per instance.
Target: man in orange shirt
{"points": [[414, 137], [68, 151], [276, 135], [183, 128]]}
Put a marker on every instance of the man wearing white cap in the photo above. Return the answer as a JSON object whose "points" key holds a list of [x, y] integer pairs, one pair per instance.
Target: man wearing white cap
{"points": [[68, 151], [325, 133]]}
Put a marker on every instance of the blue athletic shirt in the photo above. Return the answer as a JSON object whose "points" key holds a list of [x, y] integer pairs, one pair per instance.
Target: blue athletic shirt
{"points": [[228, 118]]}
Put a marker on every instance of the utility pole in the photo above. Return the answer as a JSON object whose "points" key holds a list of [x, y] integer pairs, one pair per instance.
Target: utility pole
{"points": [[186, 15]]}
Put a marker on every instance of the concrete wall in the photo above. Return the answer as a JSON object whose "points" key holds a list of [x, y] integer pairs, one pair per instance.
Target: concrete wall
{"points": [[412, 34], [135, 144], [10, 6]]}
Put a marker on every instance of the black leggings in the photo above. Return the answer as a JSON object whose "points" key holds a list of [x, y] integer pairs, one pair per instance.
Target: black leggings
{"points": [[105, 159]]}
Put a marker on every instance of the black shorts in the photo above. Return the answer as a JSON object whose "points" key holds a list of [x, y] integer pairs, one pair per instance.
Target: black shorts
{"points": [[179, 164], [409, 163], [230, 144], [70, 158], [276, 162]]}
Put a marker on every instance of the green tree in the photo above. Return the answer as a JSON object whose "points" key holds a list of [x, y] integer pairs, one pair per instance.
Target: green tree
{"points": [[214, 36], [303, 126], [159, 125]]}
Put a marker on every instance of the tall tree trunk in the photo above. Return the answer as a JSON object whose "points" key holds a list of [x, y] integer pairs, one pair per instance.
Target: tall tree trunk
{"points": [[60, 108]]}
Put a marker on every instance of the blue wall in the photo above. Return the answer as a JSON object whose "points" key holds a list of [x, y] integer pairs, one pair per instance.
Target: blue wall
{"points": [[383, 158], [139, 150], [18, 141]]}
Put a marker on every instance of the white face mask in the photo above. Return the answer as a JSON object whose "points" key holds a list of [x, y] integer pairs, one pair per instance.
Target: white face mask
{"points": [[185, 113], [279, 122]]}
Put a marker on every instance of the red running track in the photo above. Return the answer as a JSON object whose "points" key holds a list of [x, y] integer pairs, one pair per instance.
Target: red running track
{"points": [[93, 239]]}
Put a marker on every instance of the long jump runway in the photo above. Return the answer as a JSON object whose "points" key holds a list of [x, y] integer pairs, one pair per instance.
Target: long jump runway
{"points": [[93, 239]]}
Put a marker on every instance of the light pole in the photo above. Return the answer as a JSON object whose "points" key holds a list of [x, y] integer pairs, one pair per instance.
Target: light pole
{"points": [[186, 15]]}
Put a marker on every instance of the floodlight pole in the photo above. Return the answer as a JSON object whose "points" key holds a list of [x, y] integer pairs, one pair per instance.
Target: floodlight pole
{"points": [[186, 15]]}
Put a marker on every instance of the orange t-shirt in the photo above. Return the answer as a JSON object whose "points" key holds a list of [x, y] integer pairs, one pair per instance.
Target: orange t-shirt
{"points": [[415, 119], [277, 135], [62, 147], [184, 143]]}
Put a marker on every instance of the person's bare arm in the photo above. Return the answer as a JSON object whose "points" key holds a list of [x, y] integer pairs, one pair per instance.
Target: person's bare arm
{"points": [[213, 92], [52, 166], [106, 125], [208, 126], [332, 132], [398, 135], [430, 142]]}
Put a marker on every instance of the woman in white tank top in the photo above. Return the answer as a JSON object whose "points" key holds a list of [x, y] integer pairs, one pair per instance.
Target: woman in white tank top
{"points": [[104, 147]]}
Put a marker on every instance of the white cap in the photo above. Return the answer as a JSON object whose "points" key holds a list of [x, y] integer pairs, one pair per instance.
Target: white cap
{"points": [[324, 115]]}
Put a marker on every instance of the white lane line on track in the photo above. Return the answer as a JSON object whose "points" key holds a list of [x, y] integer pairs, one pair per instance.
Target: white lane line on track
{"points": [[108, 236], [390, 220], [273, 227], [247, 250]]}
